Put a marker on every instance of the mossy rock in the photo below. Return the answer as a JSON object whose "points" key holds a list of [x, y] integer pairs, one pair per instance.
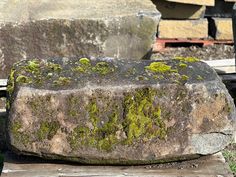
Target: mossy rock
{"points": [[104, 111]]}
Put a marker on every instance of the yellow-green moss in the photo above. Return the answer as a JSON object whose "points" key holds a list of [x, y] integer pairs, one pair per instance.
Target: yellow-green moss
{"points": [[182, 65], [79, 69], [84, 66], [62, 81], [19, 136], [184, 77], [23, 79], [47, 130], [143, 119], [78, 137], [33, 66], [187, 59], [84, 61], [200, 78], [54, 67], [103, 68], [10, 88], [160, 68]]}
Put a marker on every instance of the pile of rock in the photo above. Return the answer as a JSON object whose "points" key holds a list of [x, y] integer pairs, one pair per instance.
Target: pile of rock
{"points": [[191, 19]]}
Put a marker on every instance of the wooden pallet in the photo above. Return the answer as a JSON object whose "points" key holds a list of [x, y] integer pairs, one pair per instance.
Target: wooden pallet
{"points": [[162, 44], [208, 166]]}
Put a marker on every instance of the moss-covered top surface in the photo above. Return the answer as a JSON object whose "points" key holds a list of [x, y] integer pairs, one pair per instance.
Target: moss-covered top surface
{"points": [[57, 74]]}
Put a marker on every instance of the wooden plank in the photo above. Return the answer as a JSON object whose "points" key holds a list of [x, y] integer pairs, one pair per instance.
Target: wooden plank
{"points": [[3, 82], [222, 66], [208, 166], [3, 88]]}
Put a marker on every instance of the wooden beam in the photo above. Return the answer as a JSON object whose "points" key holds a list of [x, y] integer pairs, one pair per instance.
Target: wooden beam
{"points": [[3, 82], [222, 66]]}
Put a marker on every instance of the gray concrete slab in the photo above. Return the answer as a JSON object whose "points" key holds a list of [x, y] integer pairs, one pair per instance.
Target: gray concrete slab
{"points": [[208, 166]]}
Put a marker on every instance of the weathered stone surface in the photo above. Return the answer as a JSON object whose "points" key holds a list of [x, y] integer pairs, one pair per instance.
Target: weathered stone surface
{"points": [[172, 10], [118, 112], [124, 28], [2, 103], [221, 28], [221, 9], [196, 2], [183, 29]]}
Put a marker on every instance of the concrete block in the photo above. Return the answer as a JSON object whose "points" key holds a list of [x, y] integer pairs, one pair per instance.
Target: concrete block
{"points": [[172, 10], [196, 2], [183, 29], [221, 28]]}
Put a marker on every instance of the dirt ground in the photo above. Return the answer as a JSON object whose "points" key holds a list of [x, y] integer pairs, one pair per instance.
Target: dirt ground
{"points": [[214, 52]]}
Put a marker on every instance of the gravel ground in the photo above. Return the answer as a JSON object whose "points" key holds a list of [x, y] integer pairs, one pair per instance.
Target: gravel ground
{"points": [[214, 52]]}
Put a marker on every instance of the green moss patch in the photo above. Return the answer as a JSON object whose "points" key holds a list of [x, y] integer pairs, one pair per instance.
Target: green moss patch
{"points": [[47, 130], [159, 67], [103, 68], [142, 121], [187, 59]]}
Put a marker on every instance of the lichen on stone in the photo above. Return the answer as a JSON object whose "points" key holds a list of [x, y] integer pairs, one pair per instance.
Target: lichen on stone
{"points": [[84, 61], [47, 130], [200, 78], [184, 77], [23, 79], [33, 66], [158, 67], [54, 67], [62, 81], [84, 66], [19, 136], [182, 65], [143, 119], [187, 59], [103, 68]]}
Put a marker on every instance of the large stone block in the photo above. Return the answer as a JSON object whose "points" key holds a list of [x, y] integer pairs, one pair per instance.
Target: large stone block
{"points": [[196, 2], [221, 28], [117, 112], [183, 29], [28, 30], [172, 10]]}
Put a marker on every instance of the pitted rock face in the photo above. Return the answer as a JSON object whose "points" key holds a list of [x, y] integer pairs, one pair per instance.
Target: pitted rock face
{"points": [[103, 111], [44, 29]]}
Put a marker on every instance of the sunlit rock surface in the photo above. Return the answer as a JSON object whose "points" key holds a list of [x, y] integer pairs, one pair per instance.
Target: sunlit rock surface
{"points": [[103, 111]]}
